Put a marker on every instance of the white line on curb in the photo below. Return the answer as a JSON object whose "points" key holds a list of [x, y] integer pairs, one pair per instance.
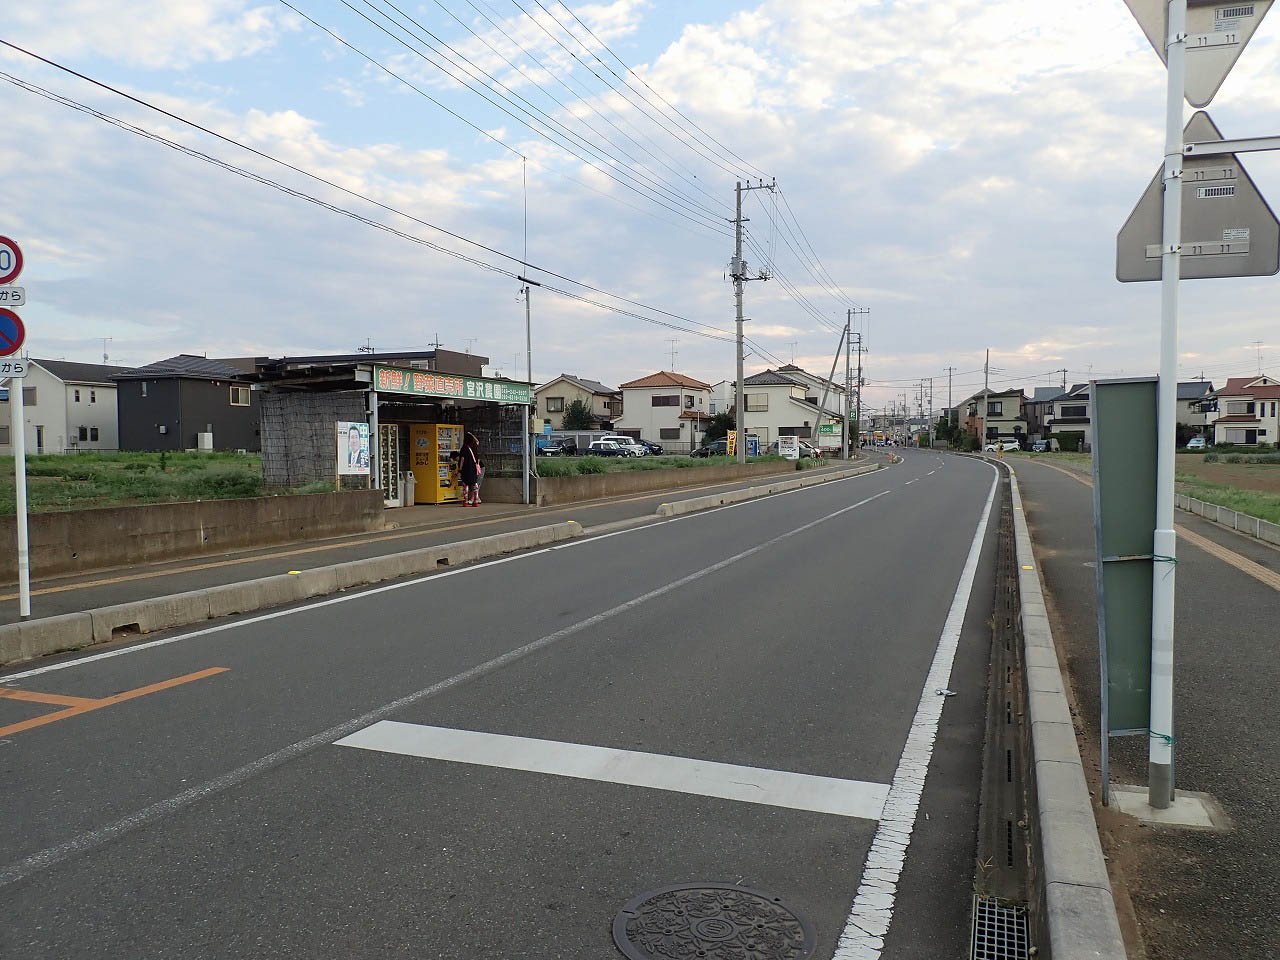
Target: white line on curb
{"points": [[868, 924]]}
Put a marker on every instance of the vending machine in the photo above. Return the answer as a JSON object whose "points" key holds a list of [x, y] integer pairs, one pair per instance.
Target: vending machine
{"points": [[435, 468]]}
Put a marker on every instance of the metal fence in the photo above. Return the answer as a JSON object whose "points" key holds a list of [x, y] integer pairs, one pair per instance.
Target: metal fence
{"points": [[1243, 522]]}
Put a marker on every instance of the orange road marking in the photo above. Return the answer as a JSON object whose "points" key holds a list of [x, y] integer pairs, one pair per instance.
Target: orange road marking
{"points": [[81, 705]]}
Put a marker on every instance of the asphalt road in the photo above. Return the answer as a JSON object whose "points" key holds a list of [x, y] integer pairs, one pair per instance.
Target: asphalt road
{"points": [[1194, 893], [447, 523], [790, 645]]}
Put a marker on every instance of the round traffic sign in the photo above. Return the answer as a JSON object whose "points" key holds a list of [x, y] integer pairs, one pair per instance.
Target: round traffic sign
{"points": [[12, 332], [10, 260]]}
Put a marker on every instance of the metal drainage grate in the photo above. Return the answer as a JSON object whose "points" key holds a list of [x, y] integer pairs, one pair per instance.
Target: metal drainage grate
{"points": [[711, 922], [999, 930]]}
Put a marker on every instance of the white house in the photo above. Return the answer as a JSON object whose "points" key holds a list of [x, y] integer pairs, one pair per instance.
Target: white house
{"points": [[1073, 413], [1247, 411], [776, 405], [667, 408], [815, 386], [67, 406]]}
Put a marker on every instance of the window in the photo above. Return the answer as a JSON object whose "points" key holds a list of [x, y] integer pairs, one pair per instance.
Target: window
{"points": [[669, 433], [993, 433], [555, 404], [4, 434], [144, 388], [77, 396], [757, 402], [29, 396], [1273, 408], [1080, 410], [688, 402], [666, 400], [995, 408], [93, 433], [713, 407], [83, 433], [1239, 406], [93, 396], [1262, 433], [239, 396]]}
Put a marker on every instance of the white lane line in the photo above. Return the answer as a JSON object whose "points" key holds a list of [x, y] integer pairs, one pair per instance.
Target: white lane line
{"points": [[868, 924], [931, 473], [85, 842], [371, 591], [728, 781], [910, 482]]}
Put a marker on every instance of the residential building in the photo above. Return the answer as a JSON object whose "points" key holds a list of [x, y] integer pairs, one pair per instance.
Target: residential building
{"points": [[1072, 414], [1039, 410], [777, 405], [1004, 417], [667, 408], [1247, 411], [167, 405], [67, 406], [722, 395], [815, 387], [554, 397], [1195, 403]]}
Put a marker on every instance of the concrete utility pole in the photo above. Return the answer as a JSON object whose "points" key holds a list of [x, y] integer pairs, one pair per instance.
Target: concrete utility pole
{"points": [[929, 417], [848, 385], [950, 408], [826, 388], [528, 369], [738, 270], [857, 416], [986, 392]]}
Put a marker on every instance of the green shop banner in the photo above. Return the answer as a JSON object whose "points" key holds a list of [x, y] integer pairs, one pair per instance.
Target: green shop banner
{"points": [[424, 383]]}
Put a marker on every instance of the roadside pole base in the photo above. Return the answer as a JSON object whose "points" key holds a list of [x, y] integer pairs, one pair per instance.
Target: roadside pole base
{"points": [[1190, 810]]}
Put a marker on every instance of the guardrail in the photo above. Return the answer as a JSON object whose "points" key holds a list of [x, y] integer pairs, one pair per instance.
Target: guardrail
{"points": [[1242, 522]]}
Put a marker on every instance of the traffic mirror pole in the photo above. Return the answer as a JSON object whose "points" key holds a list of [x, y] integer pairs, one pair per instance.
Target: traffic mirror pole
{"points": [[17, 430], [1160, 733]]}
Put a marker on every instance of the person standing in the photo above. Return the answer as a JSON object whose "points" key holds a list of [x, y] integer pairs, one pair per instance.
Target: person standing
{"points": [[469, 470]]}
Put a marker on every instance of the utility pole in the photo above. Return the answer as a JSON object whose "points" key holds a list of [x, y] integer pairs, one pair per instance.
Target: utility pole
{"points": [[528, 366], [986, 392], [950, 408], [738, 269], [857, 416], [928, 423], [848, 384]]}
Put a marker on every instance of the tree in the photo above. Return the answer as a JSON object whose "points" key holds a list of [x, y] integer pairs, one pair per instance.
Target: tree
{"points": [[578, 416], [720, 425]]}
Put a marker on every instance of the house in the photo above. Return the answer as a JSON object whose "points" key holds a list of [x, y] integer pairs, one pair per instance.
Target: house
{"points": [[1004, 418], [67, 406], [1039, 409], [1072, 414], [815, 387], [722, 395], [667, 408], [168, 404], [1195, 403], [777, 405], [1247, 411], [553, 398]]}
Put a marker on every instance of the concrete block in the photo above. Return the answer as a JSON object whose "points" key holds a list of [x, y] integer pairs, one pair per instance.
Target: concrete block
{"points": [[10, 643], [39, 638], [1054, 741], [1036, 632], [1081, 923], [1034, 606], [232, 598], [278, 590], [355, 573], [1049, 707], [317, 582], [1040, 657], [146, 616], [1071, 851], [1061, 788], [1045, 679]]}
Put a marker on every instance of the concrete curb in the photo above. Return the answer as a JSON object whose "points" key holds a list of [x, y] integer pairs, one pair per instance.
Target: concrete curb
{"points": [[1079, 915], [694, 504], [36, 638]]}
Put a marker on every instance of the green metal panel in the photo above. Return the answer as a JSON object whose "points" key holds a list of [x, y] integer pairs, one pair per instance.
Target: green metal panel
{"points": [[1124, 497]]}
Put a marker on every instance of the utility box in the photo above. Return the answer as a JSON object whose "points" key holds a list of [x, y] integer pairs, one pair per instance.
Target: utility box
{"points": [[204, 442]]}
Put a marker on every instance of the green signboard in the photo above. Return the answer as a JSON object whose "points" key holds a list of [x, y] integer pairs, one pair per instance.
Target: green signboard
{"points": [[1124, 498], [425, 383], [828, 429]]}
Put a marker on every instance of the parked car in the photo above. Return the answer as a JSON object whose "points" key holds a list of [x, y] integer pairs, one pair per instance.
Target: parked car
{"points": [[558, 448], [630, 445], [1197, 443], [655, 449], [716, 448], [1005, 446], [806, 449], [607, 448]]}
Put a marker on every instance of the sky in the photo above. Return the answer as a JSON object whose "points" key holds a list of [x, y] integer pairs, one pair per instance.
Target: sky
{"points": [[959, 170]]}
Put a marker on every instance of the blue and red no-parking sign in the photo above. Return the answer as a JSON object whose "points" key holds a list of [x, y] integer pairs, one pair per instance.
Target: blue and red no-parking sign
{"points": [[12, 332]]}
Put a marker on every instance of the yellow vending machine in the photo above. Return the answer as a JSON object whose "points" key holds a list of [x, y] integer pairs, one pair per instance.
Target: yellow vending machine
{"points": [[435, 469]]}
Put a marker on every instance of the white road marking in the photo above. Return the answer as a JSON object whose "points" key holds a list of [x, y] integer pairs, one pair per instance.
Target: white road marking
{"points": [[910, 482], [931, 473], [728, 781], [868, 924], [371, 591], [51, 856]]}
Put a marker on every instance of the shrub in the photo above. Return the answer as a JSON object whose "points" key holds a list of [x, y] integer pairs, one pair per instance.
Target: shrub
{"points": [[1210, 458], [1233, 458], [220, 483], [587, 465], [554, 467]]}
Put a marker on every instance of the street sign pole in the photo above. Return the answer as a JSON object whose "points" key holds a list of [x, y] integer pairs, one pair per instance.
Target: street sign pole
{"points": [[17, 430], [1160, 755]]}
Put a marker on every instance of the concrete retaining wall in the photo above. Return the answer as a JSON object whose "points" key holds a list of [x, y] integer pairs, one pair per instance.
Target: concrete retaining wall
{"points": [[76, 541], [552, 491], [35, 638], [1243, 522]]}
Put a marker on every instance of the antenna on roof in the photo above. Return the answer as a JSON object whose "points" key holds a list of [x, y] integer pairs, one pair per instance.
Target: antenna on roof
{"points": [[367, 348], [105, 341]]}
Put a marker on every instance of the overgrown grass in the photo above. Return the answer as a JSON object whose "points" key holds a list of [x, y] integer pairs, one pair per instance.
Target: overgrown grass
{"points": [[82, 481], [1270, 458], [1253, 502]]}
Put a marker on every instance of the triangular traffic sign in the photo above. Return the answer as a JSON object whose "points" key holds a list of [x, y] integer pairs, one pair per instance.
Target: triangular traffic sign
{"points": [[1227, 228], [1217, 34]]}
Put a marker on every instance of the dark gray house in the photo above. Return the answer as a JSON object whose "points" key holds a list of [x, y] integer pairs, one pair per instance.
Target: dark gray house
{"points": [[168, 404]]}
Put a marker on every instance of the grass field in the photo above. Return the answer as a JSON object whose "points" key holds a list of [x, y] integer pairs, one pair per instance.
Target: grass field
{"points": [[116, 479]]}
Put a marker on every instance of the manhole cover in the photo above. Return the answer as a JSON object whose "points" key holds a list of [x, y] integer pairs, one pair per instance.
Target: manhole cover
{"points": [[711, 922]]}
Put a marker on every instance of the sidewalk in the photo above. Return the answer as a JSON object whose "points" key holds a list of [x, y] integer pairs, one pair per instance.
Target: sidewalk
{"points": [[1189, 893], [408, 528]]}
